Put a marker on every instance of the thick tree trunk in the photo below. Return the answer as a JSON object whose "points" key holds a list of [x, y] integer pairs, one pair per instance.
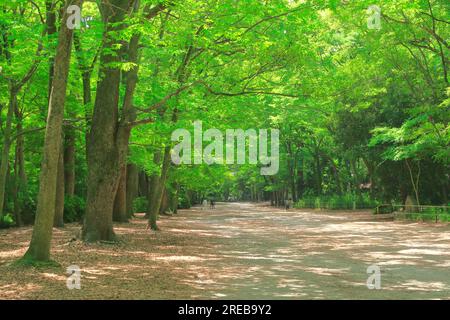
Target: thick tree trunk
{"points": [[103, 168], [99, 206], [120, 209], [42, 232], [108, 139], [132, 188], [59, 202]]}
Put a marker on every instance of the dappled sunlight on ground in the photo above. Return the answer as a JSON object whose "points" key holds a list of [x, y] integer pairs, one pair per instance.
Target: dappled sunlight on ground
{"points": [[238, 251]]}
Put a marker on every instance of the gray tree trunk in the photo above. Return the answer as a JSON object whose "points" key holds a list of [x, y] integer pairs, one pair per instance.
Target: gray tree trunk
{"points": [[59, 202], [39, 249], [69, 162], [120, 208], [132, 188], [156, 194], [108, 140]]}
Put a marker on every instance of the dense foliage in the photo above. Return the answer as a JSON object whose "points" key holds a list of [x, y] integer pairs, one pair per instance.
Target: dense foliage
{"points": [[363, 111]]}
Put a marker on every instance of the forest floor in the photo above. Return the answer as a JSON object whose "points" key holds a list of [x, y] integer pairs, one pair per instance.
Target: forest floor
{"points": [[240, 251]]}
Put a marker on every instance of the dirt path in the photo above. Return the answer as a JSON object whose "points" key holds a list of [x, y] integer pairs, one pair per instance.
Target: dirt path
{"points": [[241, 251]]}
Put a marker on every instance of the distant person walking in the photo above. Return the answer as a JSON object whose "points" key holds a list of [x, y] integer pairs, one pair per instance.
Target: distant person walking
{"points": [[204, 204], [212, 204]]}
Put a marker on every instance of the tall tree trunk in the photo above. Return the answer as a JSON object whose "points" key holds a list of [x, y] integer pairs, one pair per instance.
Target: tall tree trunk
{"points": [[39, 249], [156, 196], [17, 204], [291, 164], [69, 162], [143, 184], [7, 189], [300, 181], [20, 178], [58, 220], [50, 7], [108, 139], [120, 209], [4, 161], [318, 173], [164, 201], [293, 188], [152, 188], [123, 136], [86, 72], [132, 188], [414, 181]]}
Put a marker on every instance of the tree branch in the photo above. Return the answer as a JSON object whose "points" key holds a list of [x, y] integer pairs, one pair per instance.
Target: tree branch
{"points": [[247, 92]]}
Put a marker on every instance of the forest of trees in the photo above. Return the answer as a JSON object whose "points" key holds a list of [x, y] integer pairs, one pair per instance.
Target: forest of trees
{"points": [[87, 113]]}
